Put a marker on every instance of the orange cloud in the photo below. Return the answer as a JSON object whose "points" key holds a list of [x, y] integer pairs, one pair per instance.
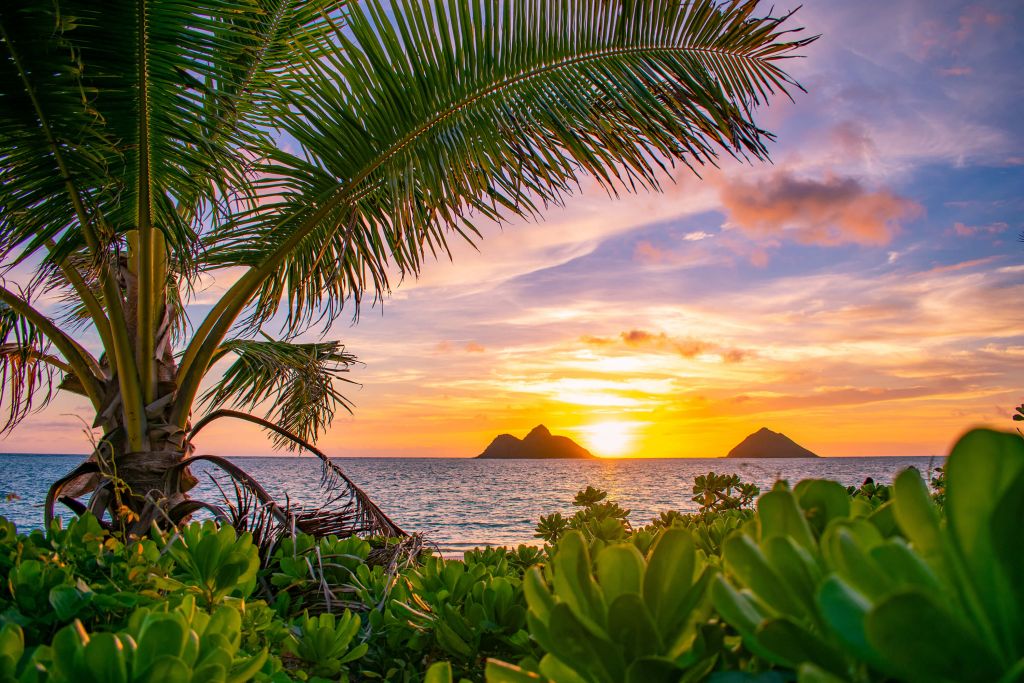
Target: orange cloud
{"points": [[830, 212], [685, 347]]}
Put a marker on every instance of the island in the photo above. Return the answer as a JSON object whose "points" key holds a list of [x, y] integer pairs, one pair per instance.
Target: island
{"points": [[765, 443], [540, 443]]}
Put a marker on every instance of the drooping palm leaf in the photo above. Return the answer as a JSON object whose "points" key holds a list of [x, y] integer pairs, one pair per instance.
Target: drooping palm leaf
{"points": [[295, 381], [339, 507], [28, 371], [420, 116]]}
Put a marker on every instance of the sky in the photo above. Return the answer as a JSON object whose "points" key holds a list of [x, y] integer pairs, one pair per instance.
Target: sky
{"points": [[863, 293]]}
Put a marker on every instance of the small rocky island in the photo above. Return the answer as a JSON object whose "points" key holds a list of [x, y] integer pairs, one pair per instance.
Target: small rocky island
{"points": [[765, 443], [540, 443]]}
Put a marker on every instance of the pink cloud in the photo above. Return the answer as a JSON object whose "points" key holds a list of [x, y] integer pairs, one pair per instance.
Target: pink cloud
{"points": [[974, 18], [935, 36], [829, 212], [852, 140], [956, 71], [963, 265]]}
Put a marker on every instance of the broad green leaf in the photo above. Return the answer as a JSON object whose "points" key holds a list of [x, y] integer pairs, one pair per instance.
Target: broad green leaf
{"points": [[164, 669], [904, 567], [244, 669], [884, 519], [162, 635], [795, 567], [558, 671], [630, 626], [845, 611], [620, 569], [669, 577], [848, 553], [738, 610], [792, 643], [67, 601], [984, 483], [979, 470], [1008, 544], [779, 515], [451, 641], [822, 501], [441, 672], [573, 581], [12, 646], [917, 515], [582, 649], [104, 657], [745, 560], [919, 640]]}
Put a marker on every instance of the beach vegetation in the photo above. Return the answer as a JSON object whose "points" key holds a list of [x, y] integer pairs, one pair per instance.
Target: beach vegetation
{"points": [[814, 584]]}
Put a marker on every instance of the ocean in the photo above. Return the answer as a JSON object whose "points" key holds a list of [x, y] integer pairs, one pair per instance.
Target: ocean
{"points": [[462, 503]]}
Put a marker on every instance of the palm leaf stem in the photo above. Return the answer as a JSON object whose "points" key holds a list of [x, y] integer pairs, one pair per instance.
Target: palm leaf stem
{"points": [[81, 362], [147, 244], [127, 371], [92, 304]]}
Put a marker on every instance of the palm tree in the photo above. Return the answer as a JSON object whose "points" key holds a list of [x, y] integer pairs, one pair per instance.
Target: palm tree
{"points": [[309, 152]]}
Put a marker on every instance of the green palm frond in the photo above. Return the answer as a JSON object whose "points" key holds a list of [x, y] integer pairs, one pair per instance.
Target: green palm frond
{"points": [[421, 117], [70, 91], [297, 381], [28, 372]]}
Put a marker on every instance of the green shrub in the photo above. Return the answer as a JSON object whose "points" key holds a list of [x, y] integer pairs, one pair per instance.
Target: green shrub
{"points": [[948, 606], [324, 643], [178, 645], [213, 561], [718, 492], [839, 595], [620, 616]]}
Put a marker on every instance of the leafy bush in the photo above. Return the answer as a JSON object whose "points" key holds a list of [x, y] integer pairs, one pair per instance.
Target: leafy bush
{"points": [[214, 562], [324, 643], [620, 616], [159, 646], [842, 596], [718, 492]]}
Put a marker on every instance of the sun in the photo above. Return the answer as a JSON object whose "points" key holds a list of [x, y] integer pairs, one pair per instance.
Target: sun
{"points": [[610, 439]]}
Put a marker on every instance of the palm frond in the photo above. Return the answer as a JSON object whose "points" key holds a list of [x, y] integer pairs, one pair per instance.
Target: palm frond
{"points": [[70, 111], [419, 118], [340, 507], [28, 372], [297, 381]]}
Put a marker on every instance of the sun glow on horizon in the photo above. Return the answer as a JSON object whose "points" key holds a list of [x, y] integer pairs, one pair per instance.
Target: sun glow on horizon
{"points": [[610, 439]]}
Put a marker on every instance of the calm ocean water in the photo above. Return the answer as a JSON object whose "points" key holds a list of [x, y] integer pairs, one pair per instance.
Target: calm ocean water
{"points": [[459, 503]]}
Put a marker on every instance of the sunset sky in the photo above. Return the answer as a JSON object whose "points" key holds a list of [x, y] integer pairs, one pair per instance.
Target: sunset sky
{"points": [[864, 294]]}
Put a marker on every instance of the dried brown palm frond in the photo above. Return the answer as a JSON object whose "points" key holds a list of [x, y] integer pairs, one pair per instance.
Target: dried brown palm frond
{"points": [[342, 508]]}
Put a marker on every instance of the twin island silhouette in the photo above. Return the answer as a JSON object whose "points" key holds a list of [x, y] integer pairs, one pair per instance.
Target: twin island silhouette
{"points": [[541, 444]]}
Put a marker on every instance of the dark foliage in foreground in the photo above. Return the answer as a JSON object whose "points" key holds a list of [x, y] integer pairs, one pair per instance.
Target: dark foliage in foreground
{"points": [[817, 583]]}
